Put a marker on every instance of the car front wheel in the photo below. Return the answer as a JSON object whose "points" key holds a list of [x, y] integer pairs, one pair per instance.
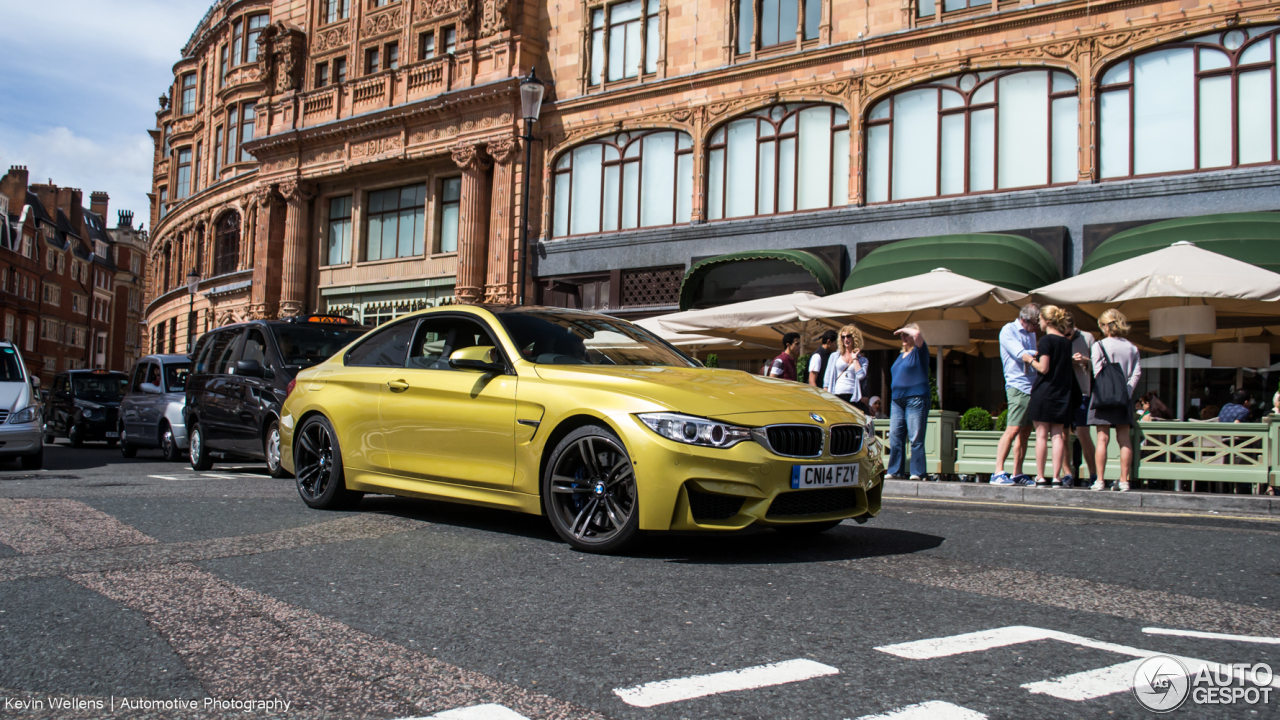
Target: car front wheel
{"points": [[271, 448], [168, 445], [127, 449], [589, 491], [76, 436], [318, 467], [200, 459]]}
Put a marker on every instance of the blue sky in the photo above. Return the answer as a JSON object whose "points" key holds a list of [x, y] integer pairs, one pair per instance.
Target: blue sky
{"points": [[80, 86]]}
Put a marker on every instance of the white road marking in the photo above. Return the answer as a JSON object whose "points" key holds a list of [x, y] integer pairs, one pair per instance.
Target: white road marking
{"points": [[1089, 684], [668, 691], [221, 477], [168, 477], [1213, 636], [932, 710], [491, 711]]}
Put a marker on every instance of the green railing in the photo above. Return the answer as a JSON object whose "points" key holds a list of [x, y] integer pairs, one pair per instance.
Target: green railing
{"points": [[939, 442]]}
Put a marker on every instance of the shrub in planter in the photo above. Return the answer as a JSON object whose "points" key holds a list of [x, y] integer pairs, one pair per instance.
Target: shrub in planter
{"points": [[713, 361], [802, 368], [975, 419], [1002, 422]]}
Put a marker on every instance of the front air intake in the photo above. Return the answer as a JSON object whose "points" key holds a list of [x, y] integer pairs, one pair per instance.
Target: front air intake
{"points": [[795, 440]]}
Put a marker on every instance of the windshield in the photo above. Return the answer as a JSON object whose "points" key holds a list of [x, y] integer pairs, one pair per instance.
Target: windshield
{"points": [[549, 337], [303, 345], [175, 376], [10, 366], [105, 387]]}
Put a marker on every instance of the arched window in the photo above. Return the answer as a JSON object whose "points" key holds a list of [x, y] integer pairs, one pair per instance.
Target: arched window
{"points": [[624, 181], [976, 132], [168, 255], [1206, 102], [779, 159], [227, 244]]}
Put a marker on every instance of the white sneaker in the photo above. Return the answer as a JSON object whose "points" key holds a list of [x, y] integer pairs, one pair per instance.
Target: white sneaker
{"points": [[1097, 485], [1124, 487], [915, 477]]}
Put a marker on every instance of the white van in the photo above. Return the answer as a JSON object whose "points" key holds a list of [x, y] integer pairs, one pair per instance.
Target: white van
{"points": [[20, 417]]}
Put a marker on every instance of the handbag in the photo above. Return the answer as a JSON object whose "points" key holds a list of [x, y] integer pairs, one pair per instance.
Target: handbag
{"points": [[1110, 387]]}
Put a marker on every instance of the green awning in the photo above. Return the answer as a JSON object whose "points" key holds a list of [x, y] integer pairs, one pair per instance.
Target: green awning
{"points": [[811, 263], [1010, 261], [1248, 237]]}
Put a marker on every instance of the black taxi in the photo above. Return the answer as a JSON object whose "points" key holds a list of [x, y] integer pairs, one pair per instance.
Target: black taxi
{"points": [[84, 405], [240, 375]]}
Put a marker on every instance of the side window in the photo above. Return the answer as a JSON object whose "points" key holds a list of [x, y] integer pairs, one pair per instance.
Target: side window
{"points": [[63, 385], [255, 347], [224, 364], [214, 351], [153, 374], [438, 338], [204, 354], [139, 377], [385, 347]]}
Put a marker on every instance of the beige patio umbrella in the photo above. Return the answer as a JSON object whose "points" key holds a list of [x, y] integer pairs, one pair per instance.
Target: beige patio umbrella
{"points": [[947, 306], [685, 340], [760, 322], [1181, 290]]}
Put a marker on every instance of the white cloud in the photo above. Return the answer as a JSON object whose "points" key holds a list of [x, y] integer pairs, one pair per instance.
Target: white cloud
{"points": [[121, 167]]}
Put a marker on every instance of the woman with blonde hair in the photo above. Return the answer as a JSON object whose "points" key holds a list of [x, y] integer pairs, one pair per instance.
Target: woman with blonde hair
{"points": [[846, 367], [1117, 368], [1055, 393], [909, 405]]}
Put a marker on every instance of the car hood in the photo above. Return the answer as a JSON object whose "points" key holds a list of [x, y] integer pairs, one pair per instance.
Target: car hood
{"points": [[705, 392], [93, 405], [12, 394]]}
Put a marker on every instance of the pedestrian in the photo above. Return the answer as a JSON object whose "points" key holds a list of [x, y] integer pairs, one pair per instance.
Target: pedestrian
{"points": [[818, 360], [847, 367], [1238, 410], [1055, 395], [1017, 352], [877, 408], [1112, 402], [909, 406], [1082, 364], [1150, 408], [783, 367]]}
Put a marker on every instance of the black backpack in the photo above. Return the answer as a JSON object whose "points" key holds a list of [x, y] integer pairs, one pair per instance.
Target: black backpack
{"points": [[1111, 387]]}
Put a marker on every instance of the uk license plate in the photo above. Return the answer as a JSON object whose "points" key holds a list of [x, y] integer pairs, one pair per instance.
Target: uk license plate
{"points": [[112, 434], [816, 476]]}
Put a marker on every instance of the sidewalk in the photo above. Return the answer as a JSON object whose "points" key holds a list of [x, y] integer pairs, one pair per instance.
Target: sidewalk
{"points": [[1260, 505]]}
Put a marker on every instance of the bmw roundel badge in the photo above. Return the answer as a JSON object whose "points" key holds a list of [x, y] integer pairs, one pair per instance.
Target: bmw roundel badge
{"points": [[816, 417]]}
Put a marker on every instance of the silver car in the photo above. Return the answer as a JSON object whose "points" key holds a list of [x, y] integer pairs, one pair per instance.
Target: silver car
{"points": [[151, 412], [20, 416]]}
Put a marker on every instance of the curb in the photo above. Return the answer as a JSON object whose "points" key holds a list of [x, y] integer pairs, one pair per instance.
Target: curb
{"points": [[1134, 500]]}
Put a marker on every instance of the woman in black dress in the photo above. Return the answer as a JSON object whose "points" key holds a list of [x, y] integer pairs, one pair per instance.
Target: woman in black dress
{"points": [[1055, 394]]}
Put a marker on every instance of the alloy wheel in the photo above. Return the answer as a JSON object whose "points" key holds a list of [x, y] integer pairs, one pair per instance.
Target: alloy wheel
{"points": [[166, 442], [273, 449], [593, 489], [314, 460]]}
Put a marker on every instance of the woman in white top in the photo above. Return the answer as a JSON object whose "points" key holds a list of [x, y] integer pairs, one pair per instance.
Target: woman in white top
{"points": [[1115, 348], [846, 367]]}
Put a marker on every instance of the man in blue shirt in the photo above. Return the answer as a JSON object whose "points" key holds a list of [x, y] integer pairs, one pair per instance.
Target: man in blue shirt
{"points": [[1017, 352], [1237, 410]]}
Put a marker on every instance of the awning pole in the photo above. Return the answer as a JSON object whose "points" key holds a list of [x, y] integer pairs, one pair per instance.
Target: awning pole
{"points": [[1182, 377], [941, 352]]}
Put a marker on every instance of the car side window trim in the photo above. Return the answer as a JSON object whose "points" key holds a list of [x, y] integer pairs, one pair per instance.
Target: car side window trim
{"points": [[378, 334], [480, 322]]}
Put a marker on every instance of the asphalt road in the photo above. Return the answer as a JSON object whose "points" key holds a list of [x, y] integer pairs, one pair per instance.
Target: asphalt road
{"points": [[139, 581]]}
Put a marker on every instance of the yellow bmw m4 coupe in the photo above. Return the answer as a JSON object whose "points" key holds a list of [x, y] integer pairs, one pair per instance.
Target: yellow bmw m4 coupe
{"points": [[588, 419]]}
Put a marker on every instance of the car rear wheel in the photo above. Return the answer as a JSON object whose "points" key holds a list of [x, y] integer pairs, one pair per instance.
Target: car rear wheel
{"points": [[318, 466], [127, 450], [200, 459], [168, 445], [589, 491], [33, 462], [76, 436], [271, 448]]}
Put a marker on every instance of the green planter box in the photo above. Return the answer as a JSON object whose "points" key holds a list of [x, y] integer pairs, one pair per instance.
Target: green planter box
{"points": [[939, 442]]}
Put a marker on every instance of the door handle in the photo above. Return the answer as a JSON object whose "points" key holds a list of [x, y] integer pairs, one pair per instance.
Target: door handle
{"points": [[397, 385]]}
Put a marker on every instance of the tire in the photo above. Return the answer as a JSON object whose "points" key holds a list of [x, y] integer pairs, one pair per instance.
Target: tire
{"points": [[271, 450], [33, 462], [589, 492], [127, 450], [200, 459], [168, 446], [75, 436], [50, 438], [810, 528], [318, 463]]}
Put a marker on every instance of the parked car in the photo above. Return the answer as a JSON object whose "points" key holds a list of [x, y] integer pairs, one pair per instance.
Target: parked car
{"points": [[151, 412], [586, 418], [239, 376], [85, 405], [19, 410]]}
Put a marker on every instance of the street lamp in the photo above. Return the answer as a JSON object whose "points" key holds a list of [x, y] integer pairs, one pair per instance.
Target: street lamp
{"points": [[531, 91], [193, 280]]}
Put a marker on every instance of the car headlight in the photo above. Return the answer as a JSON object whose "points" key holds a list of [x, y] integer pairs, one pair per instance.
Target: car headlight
{"points": [[87, 414], [695, 430], [26, 415]]}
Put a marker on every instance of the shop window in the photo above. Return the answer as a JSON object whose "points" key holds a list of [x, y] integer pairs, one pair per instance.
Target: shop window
{"points": [[393, 228], [340, 70], [977, 132], [779, 159], [624, 181], [339, 230], [223, 64], [450, 197], [322, 75], [372, 61], [226, 240], [392, 54], [189, 94], [195, 177], [246, 130], [334, 10], [427, 45], [217, 152], [237, 42], [624, 40], [1203, 103], [769, 23], [256, 24], [450, 36], [183, 188]]}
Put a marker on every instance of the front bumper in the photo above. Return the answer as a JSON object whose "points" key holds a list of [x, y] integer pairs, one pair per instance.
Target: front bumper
{"points": [[98, 429], [685, 487], [24, 439]]}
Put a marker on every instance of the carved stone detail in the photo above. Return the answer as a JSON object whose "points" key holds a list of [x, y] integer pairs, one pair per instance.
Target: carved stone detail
{"points": [[502, 150], [281, 49], [332, 38], [383, 23], [494, 17], [429, 9], [294, 190], [466, 157], [376, 146]]}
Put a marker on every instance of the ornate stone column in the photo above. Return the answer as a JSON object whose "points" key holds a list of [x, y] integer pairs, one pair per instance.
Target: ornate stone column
{"points": [[293, 289], [472, 230], [261, 305], [498, 282]]}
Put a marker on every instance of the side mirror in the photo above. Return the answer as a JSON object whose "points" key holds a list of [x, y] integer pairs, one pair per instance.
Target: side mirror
{"points": [[150, 388], [480, 357], [35, 382], [249, 368]]}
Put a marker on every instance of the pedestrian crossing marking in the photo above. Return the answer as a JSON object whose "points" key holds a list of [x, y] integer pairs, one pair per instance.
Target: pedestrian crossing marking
{"points": [[491, 711], [932, 710], [668, 691], [1090, 684]]}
